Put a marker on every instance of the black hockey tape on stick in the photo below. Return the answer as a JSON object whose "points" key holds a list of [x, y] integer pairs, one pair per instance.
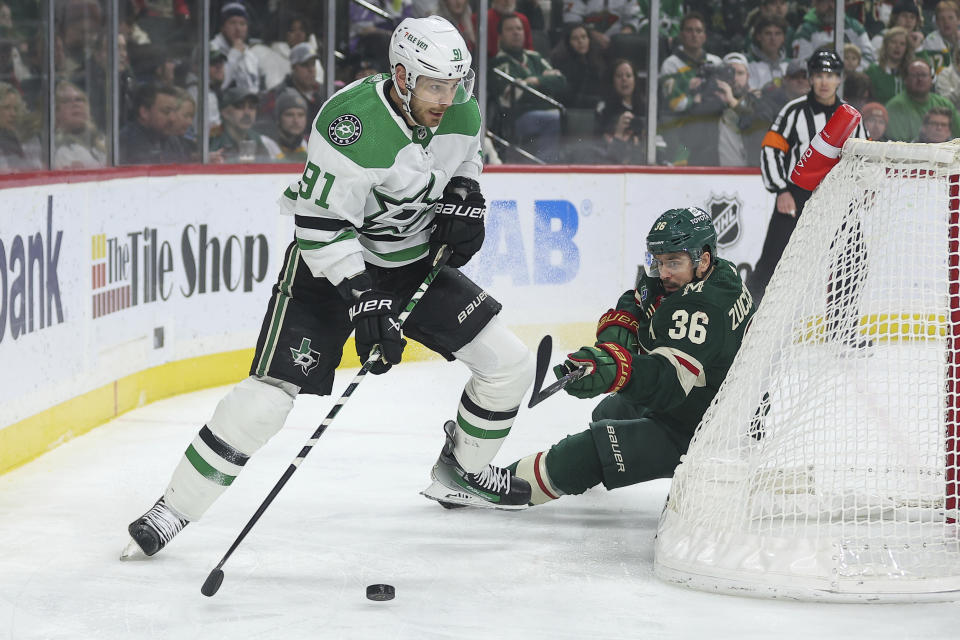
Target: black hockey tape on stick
{"points": [[212, 584], [544, 353]]}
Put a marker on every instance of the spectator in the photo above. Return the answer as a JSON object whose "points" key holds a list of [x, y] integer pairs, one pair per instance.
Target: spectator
{"points": [[773, 98], [726, 19], [670, 15], [722, 110], [95, 82], [534, 121], [938, 44], [816, 30], [242, 66], [907, 15], [769, 9], [948, 82], [579, 59], [606, 17], [680, 81], [459, 13], [678, 73], [146, 139], [875, 120], [851, 56], [498, 9], [238, 142], [872, 14], [621, 117], [79, 24], [907, 109], [768, 53], [302, 79], [292, 124], [741, 126], [154, 64], [274, 59], [370, 32], [218, 64], [365, 69], [184, 133], [857, 89], [887, 74], [19, 147], [77, 143], [937, 123]]}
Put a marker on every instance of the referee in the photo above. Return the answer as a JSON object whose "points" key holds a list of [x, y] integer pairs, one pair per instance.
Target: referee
{"points": [[796, 124]]}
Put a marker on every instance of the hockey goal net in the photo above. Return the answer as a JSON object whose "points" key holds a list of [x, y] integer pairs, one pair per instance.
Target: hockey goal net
{"points": [[826, 467]]}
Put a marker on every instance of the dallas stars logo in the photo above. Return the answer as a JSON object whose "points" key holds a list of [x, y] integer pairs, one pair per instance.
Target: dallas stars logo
{"points": [[344, 130], [400, 215], [305, 357]]}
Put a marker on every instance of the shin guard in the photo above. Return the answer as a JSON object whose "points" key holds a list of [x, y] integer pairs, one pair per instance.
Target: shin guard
{"points": [[245, 419]]}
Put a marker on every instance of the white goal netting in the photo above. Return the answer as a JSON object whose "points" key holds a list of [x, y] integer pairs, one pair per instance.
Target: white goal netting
{"points": [[826, 467]]}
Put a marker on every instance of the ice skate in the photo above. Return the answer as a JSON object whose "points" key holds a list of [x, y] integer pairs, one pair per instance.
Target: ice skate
{"points": [[152, 531], [492, 488]]}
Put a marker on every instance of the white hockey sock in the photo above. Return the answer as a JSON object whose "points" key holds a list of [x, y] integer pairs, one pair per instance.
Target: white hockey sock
{"points": [[244, 420], [479, 433], [533, 469]]}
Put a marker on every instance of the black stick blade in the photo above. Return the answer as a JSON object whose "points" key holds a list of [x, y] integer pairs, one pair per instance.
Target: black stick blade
{"points": [[544, 353], [212, 584]]}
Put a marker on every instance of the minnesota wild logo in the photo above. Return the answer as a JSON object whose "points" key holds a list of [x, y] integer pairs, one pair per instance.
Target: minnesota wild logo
{"points": [[344, 130]]}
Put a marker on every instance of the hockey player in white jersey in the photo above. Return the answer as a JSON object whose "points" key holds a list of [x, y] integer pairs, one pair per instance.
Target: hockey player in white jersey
{"points": [[392, 168]]}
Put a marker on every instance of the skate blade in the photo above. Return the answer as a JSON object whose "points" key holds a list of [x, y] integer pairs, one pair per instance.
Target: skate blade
{"points": [[451, 499], [132, 552]]}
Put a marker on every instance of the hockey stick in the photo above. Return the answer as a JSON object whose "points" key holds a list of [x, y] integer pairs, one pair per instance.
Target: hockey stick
{"points": [[544, 353], [213, 581]]}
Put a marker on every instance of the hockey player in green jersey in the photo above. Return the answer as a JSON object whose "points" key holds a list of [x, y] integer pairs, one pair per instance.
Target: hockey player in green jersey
{"points": [[391, 176], [661, 355]]}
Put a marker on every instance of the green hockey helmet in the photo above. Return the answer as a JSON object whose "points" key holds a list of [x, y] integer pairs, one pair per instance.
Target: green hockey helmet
{"points": [[689, 230]]}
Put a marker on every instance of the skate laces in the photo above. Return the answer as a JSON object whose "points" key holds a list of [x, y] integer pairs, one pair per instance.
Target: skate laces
{"points": [[164, 521], [494, 479]]}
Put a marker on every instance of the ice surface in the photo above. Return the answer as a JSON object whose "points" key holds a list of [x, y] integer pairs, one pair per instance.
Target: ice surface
{"points": [[352, 516]]}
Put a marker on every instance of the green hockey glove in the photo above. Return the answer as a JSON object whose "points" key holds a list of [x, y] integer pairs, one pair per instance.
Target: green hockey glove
{"points": [[608, 370]]}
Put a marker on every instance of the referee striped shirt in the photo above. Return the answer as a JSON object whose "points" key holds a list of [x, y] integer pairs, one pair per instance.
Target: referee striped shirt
{"points": [[796, 124]]}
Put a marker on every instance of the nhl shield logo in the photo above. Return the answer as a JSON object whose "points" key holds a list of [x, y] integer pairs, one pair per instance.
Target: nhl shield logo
{"points": [[725, 211]]}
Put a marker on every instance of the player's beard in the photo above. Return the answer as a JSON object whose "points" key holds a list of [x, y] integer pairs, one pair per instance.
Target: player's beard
{"points": [[427, 114]]}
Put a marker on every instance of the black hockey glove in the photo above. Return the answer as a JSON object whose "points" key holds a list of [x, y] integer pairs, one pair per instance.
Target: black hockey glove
{"points": [[459, 220], [375, 319]]}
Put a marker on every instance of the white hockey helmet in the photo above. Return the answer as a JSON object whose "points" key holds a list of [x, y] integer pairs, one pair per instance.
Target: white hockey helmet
{"points": [[431, 47]]}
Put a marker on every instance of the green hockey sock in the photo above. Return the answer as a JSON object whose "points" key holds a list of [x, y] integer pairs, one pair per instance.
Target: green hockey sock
{"points": [[573, 463]]}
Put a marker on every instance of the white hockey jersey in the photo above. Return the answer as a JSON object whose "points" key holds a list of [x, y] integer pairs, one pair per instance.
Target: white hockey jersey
{"points": [[370, 180]]}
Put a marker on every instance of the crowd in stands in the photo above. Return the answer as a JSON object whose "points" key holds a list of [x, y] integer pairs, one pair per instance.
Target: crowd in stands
{"points": [[567, 79]]}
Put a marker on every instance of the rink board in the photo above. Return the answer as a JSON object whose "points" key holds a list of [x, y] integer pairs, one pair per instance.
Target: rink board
{"points": [[118, 292]]}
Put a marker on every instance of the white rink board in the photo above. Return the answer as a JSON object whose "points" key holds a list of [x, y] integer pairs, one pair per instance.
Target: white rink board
{"points": [[560, 249]]}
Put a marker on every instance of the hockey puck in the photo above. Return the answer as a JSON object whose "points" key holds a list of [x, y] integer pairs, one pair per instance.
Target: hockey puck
{"points": [[381, 592]]}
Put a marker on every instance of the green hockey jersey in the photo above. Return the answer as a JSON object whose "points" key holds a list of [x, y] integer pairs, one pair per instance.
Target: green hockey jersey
{"points": [[370, 180], [688, 341]]}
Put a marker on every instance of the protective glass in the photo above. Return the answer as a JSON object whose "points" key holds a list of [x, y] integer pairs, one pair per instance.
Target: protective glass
{"points": [[654, 266], [445, 90]]}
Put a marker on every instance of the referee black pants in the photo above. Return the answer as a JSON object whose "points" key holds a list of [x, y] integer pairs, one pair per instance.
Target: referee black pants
{"points": [[778, 234]]}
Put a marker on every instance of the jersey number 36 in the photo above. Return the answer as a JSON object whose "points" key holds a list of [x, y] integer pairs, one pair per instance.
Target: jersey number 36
{"points": [[693, 327]]}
